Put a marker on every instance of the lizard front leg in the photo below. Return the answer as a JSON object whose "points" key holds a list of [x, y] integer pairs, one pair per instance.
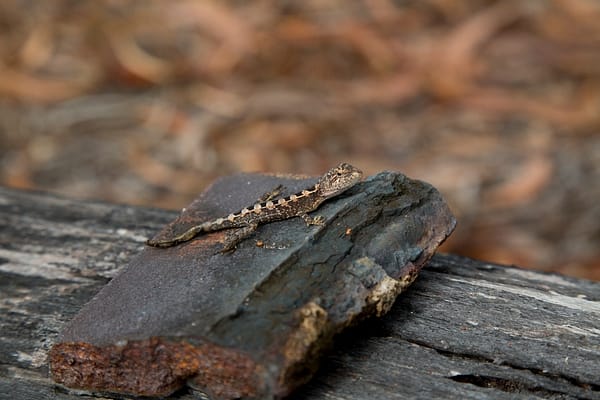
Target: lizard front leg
{"points": [[318, 220]]}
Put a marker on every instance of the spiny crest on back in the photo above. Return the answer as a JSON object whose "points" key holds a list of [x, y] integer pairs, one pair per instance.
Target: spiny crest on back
{"points": [[338, 180]]}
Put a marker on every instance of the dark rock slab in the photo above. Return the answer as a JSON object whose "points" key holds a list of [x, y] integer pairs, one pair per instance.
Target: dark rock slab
{"points": [[252, 323]]}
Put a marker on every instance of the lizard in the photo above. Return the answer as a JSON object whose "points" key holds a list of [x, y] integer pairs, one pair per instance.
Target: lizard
{"points": [[336, 181]]}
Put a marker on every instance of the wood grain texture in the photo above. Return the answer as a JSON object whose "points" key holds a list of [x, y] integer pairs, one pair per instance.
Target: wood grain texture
{"points": [[465, 329], [252, 323]]}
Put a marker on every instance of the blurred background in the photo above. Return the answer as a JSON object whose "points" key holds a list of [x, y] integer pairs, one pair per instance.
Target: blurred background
{"points": [[496, 103]]}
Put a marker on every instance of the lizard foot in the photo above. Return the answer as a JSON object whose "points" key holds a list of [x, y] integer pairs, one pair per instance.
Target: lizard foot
{"points": [[236, 236], [270, 195], [318, 220]]}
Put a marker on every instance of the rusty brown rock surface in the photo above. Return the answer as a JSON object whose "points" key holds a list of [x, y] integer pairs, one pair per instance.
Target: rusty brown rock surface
{"points": [[252, 323]]}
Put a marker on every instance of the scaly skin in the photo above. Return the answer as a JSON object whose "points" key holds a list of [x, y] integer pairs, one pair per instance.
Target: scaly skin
{"points": [[336, 181]]}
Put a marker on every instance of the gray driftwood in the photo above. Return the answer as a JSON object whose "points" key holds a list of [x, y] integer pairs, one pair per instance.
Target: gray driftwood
{"points": [[252, 323], [465, 329]]}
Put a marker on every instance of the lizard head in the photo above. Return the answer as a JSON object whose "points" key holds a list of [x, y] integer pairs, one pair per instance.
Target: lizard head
{"points": [[338, 180]]}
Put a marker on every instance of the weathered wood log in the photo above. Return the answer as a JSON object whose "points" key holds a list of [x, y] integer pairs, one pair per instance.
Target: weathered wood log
{"points": [[252, 323], [465, 329]]}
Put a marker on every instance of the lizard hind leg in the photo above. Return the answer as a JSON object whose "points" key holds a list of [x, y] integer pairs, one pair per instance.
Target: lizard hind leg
{"points": [[272, 194], [184, 237], [236, 236]]}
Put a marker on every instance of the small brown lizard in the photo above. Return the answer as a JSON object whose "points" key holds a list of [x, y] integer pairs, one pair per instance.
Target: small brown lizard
{"points": [[334, 182]]}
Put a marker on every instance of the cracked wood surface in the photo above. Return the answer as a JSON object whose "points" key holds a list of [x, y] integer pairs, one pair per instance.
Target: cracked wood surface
{"points": [[465, 329], [253, 323]]}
